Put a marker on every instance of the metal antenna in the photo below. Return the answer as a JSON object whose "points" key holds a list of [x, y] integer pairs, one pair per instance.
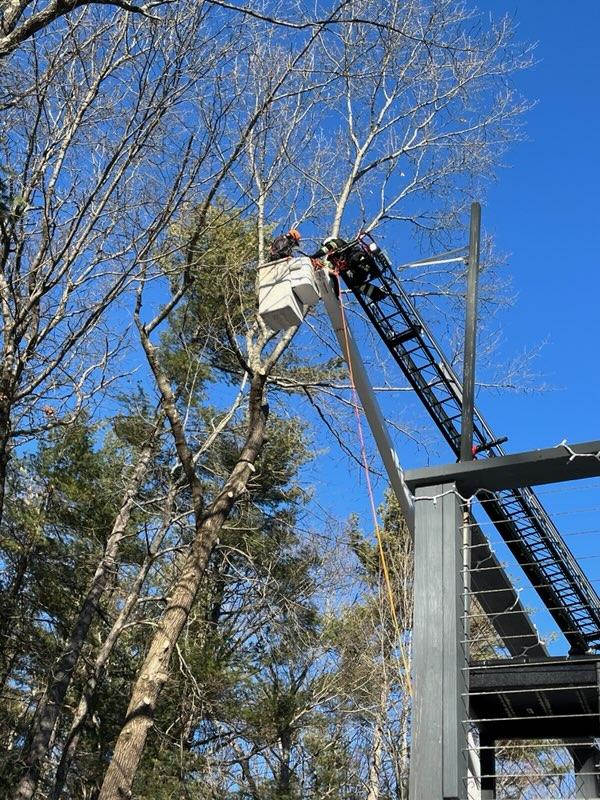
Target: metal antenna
{"points": [[466, 428]]}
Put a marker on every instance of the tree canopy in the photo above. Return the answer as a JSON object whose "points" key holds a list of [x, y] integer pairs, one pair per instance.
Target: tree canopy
{"points": [[186, 615]]}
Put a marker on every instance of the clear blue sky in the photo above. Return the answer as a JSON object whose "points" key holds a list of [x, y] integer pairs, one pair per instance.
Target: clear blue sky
{"points": [[545, 210]]}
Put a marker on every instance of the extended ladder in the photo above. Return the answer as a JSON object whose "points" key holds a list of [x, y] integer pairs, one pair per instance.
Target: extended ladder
{"points": [[518, 515]]}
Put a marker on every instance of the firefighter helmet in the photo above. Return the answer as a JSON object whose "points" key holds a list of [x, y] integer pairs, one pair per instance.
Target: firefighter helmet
{"points": [[333, 243]]}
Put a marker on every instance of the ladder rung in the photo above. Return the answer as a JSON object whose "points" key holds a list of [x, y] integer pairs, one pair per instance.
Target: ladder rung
{"points": [[412, 350], [456, 416], [405, 335]]}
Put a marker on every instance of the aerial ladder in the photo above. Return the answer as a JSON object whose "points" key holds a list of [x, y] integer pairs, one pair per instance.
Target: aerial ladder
{"points": [[518, 515], [286, 290]]}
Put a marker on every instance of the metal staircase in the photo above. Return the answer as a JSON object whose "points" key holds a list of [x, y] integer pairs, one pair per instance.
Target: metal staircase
{"points": [[518, 515]]}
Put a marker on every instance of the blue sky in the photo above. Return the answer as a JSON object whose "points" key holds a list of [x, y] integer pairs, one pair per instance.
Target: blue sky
{"points": [[544, 210]]}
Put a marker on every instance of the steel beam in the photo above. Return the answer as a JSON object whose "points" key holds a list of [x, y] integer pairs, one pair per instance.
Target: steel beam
{"points": [[533, 468], [493, 589], [468, 387], [491, 585]]}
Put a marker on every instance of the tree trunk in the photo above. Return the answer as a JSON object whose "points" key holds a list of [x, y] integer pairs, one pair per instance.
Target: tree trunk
{"points": [[376, 758], [5, 436], [154, 672], [377, 744], [104, 654], [8, 608], [285, 774], [51, 703]]}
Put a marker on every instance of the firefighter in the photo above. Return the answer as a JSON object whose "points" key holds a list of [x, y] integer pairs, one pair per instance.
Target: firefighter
{"points": [[284, 245], [354, 264]]}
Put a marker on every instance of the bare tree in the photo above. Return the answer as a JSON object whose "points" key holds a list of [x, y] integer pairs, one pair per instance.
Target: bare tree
{"points": [[420, 104], [208, 522], [20, 20], [122, 130], [105, 650], [88, 149]]}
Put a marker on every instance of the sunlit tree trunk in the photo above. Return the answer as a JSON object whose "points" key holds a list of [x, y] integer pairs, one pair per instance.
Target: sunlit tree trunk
{"points": [[105, 651], [155, 670]]}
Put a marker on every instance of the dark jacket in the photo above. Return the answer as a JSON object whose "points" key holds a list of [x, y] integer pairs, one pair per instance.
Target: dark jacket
{"points": [[282, 247], [351, 259], [335, 248]]}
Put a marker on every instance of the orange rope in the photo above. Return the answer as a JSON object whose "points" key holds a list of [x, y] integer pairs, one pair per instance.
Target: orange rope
{"points": [[363, 452]]}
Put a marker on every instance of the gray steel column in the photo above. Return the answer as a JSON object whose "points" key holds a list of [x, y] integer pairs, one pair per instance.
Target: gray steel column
{"points": [[586, 762], [468, 387], [438, 762]]}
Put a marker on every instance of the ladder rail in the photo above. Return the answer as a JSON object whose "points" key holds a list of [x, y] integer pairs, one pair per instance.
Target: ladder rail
{"points": [[444, 366]]}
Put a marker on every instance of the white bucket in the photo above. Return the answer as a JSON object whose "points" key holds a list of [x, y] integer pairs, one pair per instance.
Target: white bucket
{"points": [[277, 304], [285, 286], [302, 276]]}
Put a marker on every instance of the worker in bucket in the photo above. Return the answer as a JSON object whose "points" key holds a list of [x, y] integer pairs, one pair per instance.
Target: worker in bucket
{"points": [[353, 262], [283, 246]]}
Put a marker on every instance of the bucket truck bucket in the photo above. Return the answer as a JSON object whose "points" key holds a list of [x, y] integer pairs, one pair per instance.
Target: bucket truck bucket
{"points": [[286, 287], [302, 276]]}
